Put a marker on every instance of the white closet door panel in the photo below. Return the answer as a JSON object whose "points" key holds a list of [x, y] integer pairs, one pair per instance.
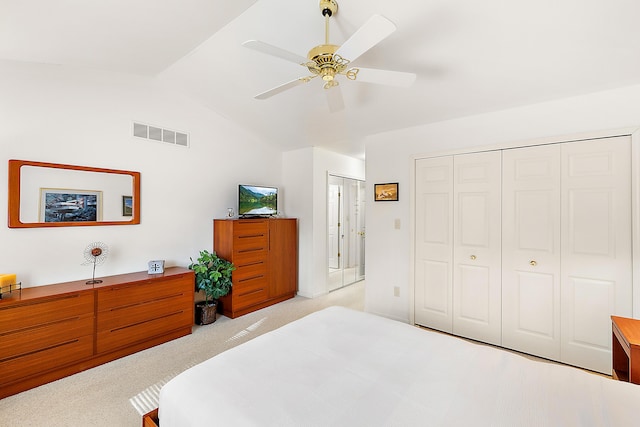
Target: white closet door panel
{"points": [[536, 304], [474, 293], [433, 297], [434, 243], [476, 259], [588, 329], [473, 219], [531, 250], [536, 220], [437, 211], [591, 220], [596, 248]]}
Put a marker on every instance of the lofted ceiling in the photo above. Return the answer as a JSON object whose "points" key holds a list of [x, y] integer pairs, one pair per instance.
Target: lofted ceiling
{"points": [[470, 57]]}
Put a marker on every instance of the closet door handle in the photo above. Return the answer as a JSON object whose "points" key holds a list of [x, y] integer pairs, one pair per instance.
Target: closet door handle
{"points": [[533, 263]]}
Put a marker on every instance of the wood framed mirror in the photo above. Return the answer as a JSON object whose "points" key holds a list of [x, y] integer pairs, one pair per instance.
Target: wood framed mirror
{"points": [[57, 195]]}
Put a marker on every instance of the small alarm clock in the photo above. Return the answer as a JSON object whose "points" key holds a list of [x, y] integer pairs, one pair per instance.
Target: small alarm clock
{"points": [[156, 267]]}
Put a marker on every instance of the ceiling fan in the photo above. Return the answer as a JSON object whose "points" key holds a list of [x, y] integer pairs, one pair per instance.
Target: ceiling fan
{"points": [[330, 61]]}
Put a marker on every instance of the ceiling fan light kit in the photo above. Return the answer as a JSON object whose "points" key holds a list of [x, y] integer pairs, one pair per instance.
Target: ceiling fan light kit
{"points": [[330, 61]]}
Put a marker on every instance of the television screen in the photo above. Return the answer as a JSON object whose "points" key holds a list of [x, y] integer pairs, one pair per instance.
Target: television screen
{"points": [[257, 201]]}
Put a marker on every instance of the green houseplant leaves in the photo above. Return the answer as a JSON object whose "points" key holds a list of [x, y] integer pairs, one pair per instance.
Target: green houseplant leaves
{"points": [[213, 275]]}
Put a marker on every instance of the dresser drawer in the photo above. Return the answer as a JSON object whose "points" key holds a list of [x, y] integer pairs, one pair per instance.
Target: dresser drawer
{"points": [[248, 227], [251, 246], [250, 238], [142, 292], [38, 362], [20, 316], [126, 316], [249, 270], [249, 257], [122, 337], [249, 291], [18, 343]]}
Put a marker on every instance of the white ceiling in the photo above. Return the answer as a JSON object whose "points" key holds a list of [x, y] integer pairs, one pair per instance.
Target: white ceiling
{"points": [[470, 57]]}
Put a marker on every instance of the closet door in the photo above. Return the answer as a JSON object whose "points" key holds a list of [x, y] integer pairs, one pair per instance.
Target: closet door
{"points": [[477, 246], [596, 248], [434, 243], [531, 250]]}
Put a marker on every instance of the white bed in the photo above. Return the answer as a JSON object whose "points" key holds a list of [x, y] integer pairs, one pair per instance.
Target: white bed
{"points": [[340, 367]]}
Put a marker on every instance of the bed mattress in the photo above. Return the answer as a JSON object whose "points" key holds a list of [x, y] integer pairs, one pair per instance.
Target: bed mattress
{"points": [[340, 367]]}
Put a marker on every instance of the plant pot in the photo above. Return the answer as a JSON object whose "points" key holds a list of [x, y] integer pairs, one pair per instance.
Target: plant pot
{"points": [[206, 313]]}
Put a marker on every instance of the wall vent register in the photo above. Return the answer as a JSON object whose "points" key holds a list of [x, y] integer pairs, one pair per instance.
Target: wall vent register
{"points": [[159, 134]]}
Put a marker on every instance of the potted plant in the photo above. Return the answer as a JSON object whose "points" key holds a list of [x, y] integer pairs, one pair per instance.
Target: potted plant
{"points": [[213, 276]]}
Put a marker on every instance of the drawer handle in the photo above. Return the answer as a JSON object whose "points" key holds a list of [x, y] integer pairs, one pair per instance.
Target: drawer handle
{"points": [[249, 264], [533, 263], [251, 278], [32, 328], [251, 292], [242, 251], [38, 350], [473, 257], [248, 236]]}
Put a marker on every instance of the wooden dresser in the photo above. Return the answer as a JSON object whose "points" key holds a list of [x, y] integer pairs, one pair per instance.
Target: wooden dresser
{"points": [[625, 349], [49, 332], [265, 253]]}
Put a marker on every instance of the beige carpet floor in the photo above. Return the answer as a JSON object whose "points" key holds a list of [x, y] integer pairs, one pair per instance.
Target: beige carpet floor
{"points": [[113, 394]]}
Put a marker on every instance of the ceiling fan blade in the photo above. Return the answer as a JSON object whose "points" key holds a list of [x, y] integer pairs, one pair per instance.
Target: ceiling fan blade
{"points": [[275, 51], [385, 77], [376, 29], [334, 99], [279, 89]]}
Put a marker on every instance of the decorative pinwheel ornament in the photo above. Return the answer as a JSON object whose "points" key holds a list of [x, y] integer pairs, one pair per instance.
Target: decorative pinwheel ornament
{"points": [[95, 254]]}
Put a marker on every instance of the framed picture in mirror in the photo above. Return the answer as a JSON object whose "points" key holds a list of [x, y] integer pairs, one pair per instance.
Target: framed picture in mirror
{"points": [[64, 205], [127, 206]]}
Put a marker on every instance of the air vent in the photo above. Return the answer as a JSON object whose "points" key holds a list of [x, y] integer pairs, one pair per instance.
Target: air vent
{"points": [[159, 134]]}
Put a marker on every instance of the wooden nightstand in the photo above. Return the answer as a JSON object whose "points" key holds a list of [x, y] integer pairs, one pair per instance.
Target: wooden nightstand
{"points": [[625, 349]]}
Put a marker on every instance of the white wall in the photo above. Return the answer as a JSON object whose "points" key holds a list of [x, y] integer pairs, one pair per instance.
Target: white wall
{"points": [[83, 117], [389, 159], [306, 172], [297, 170]]}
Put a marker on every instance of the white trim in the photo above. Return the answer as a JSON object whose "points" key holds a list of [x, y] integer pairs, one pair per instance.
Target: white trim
{"points": [[342, 175], [326, 246], [412, 249], [326, 232], [533, 142], [635, 222]]}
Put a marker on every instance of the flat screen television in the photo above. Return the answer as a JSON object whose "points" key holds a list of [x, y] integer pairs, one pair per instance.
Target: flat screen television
{"points": [[255, 200]]}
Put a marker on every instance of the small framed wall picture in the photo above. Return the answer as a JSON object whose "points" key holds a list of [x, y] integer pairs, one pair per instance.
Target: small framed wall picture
{"points": [[127, 205], [386, 192]]}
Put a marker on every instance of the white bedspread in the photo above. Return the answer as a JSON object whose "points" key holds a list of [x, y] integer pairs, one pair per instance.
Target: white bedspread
{"points": [[340, 367]]}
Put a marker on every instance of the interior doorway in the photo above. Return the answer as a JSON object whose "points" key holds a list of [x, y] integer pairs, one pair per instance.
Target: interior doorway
{"points": [[346, 231]]}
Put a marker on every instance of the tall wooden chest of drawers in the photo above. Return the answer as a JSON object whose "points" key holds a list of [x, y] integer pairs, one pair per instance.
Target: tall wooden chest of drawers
{"points": [[49, 332], [265, 254]]}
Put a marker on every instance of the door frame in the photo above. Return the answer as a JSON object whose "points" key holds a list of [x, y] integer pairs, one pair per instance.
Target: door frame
{"points": [[341, 176]]}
